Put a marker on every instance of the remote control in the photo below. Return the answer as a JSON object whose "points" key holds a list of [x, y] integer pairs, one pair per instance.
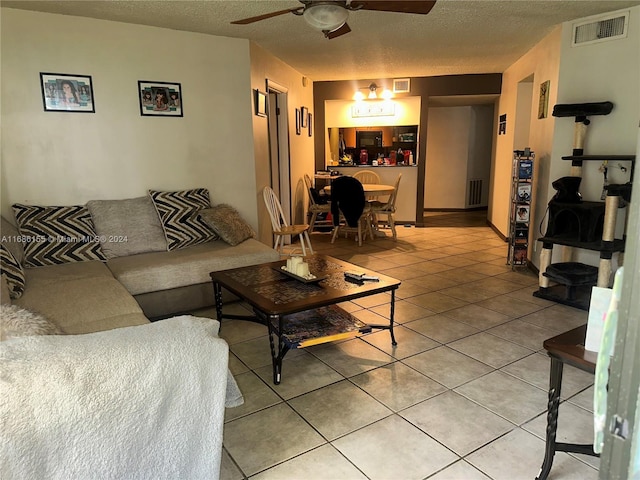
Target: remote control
{"points": [[361, 276]]}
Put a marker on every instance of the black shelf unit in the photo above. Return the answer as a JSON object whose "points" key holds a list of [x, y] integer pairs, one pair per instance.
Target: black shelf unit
{"points": [[520, 213]]}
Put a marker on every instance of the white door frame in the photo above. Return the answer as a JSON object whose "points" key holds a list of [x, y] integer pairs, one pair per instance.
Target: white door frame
{"points": [[278, 121]]}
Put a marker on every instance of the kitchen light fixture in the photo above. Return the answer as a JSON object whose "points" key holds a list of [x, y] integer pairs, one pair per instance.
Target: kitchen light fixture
{"points": [[325, 16], [373, 93]]}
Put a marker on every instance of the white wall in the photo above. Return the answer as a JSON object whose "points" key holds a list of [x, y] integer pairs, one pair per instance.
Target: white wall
{"points": [[523, 118], [68, 158], [480, 149], [459, 143], [542, 61], [265, 66], [606, 71], [448, 133], [598, 72]]}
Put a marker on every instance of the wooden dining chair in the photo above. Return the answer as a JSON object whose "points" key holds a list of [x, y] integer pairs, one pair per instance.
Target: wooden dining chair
{"points": [[367, 176], [316, 208], [281, 227], [388, 208]]}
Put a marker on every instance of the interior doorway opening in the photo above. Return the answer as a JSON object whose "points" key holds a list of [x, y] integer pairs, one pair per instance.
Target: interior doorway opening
{"points": [[460, 151]]}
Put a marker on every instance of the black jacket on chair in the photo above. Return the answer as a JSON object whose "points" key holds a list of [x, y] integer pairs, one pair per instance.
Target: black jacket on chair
{"points": [[347, 196]]}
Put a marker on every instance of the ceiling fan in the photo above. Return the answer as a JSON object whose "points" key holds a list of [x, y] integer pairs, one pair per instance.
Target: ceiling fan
{"points": [[330, 17]]}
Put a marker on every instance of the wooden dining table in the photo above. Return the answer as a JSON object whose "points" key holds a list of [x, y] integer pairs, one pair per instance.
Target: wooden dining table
{"points": [[370, 189]]}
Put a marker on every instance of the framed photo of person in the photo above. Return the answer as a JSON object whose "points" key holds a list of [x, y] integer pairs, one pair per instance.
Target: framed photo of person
{"points": [[63, 92], [160, 99]]}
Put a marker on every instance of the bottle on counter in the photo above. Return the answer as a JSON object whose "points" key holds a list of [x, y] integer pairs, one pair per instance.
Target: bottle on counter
{"points": [[364, 157]]}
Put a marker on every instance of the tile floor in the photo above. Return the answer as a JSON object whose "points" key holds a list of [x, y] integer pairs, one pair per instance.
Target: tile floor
{"points": [[462, 396]]}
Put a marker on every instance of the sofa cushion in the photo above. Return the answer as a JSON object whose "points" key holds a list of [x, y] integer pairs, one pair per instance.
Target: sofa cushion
{"points": [[156, 271], [80, 298], [55, 235], [178, 212], [18, 322], [227, 223], [11, 239], [127, 227], [11, 269], [43, 276], [5, 298]]}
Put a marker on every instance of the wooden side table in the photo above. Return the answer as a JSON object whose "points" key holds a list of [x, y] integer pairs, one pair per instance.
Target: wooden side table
{"points": [[566, 348]]}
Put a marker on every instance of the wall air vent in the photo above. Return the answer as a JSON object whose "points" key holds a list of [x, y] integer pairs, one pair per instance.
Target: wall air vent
{"points": [[600, 29]]}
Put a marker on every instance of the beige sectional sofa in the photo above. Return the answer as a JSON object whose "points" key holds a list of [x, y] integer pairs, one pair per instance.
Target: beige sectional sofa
{"points": [[132, 285]]}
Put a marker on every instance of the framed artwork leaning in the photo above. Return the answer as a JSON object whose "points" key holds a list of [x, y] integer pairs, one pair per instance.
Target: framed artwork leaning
{"points": [[160, 99], [64, 92]]}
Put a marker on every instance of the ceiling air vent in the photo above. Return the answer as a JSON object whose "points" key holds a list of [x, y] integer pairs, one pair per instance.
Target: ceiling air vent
{"points": [[599, 30]]}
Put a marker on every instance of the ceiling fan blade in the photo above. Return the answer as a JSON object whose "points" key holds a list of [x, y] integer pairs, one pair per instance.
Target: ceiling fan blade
{"points": [[246, 21], [419, 7], [344, 29]]}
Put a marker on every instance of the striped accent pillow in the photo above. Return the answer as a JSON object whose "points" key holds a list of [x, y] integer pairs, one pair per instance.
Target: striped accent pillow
{"points": [[13, 272], [179, 215], [55, 235]]}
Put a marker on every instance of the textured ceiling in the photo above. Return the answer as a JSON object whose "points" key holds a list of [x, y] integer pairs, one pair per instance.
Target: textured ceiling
{"points": [[456, 37]]}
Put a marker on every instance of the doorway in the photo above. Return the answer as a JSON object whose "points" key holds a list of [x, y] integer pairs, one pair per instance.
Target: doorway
{"points": [[278, 126], [459, 156]]}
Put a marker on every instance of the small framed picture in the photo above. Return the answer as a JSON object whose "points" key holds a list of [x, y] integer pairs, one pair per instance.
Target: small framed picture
{"points": [[260, 103], [543, 102], [310, 123], [304, 118], [160, 99], [298, 122], [63, 92], [401, 85]]}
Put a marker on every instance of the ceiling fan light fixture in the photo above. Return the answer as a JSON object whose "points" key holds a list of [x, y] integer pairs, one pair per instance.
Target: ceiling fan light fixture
{"points": [[325, 16]]}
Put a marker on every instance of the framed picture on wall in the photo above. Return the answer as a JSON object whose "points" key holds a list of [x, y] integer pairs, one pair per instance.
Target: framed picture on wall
{"points": [[261, 103], [298, 122], [304, 117], [160, 99], [543, 102], [310, 123], [63, 92]]}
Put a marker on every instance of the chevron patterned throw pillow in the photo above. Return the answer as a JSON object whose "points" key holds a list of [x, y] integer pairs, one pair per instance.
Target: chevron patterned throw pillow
{"points": [[179, 215], [11, 268], [55, 235]]}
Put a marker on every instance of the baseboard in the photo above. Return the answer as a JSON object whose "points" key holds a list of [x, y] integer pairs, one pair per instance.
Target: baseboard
{"points": [[472, 209], [497, 232]]}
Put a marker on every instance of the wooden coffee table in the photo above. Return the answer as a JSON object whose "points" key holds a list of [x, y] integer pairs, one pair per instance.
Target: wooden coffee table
{"points": [[300, 314]]}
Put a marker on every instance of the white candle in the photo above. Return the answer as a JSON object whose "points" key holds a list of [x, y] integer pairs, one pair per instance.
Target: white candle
{"points": [[302, 269]]}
